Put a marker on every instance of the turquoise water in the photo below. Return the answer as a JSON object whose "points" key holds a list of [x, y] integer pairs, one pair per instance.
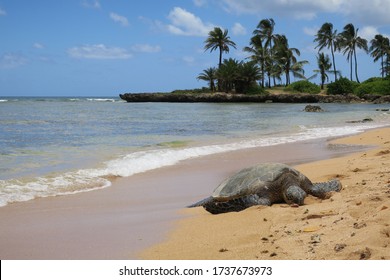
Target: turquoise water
{"points": [[59, 146]]}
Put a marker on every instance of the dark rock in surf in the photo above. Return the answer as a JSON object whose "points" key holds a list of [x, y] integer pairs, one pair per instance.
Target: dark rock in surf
{"points": [[313, 108]]}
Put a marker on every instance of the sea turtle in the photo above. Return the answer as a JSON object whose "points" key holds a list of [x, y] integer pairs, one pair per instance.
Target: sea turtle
{"points": [[264, 184]]}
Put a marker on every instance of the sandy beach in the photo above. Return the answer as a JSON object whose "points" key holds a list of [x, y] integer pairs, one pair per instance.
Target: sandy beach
{"points": [[353, 224], [128, 219]]}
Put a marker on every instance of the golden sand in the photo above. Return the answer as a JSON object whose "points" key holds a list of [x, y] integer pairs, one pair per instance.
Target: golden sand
{"points": [[352, 224]]}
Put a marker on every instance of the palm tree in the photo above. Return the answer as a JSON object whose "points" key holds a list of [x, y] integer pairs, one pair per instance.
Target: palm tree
{"points": [[258, 55], [248, 74], [379, 49], [349, 41], [227, 74], [265, 31], [328, 38], [324, 66], [219, 39], [285, 57], [209, 75], [386, 67]]}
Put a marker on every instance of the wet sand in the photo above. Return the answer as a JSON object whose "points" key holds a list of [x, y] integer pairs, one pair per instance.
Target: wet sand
{"points": [[353, 224], [139, 211]]}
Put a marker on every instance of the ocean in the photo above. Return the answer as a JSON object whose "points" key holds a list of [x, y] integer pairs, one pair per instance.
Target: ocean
{"points": [[52, 146]]}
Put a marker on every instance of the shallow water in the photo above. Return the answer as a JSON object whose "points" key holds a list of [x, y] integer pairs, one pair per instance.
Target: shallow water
{"points": [[59, 146]]}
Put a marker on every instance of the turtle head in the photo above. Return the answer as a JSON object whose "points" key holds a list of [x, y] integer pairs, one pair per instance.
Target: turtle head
{"points": [[294, 195]]}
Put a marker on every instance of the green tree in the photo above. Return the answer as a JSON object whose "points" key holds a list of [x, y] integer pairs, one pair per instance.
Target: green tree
{"points": [[258, 55], [236, 75], [348, 42], [248, 74], [327, 37], [227, 74], [219, 39], [380, 49], [386, 67], [209, 75], [324, 65], [265, 31], [286, 59]]}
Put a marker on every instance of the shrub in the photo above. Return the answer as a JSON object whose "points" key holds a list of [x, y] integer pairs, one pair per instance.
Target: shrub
{"points": [[195, 90], [342, 86], [255, 89], [374, 86], [304, 86]]}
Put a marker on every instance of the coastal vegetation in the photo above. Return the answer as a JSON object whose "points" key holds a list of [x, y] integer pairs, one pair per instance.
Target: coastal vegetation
{"points": [[272, 61], [342, 86], [303, 86]]}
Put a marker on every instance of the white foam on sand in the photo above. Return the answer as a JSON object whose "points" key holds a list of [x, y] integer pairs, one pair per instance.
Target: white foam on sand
{"points": [[142, 161]]}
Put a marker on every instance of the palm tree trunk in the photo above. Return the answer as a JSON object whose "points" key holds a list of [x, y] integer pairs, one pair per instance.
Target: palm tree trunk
{"points": [[287, 77], [334, 63], [356, 67], [382, 66], [351, 68], [262, 74], [322, 80], [219, 66], [220, 58]]}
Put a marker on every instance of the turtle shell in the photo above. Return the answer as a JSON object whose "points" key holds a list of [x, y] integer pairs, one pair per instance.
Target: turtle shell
{"points": [[251, 180]]}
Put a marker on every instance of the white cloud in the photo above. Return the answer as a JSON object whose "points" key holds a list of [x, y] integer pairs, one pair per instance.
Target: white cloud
{"points": [[374, 12], [12, 60], [238, 29], [99, 51], [189, 60], [120, 19], [199, 3], [302, 9], [186, 23], [91, 4], [369, 12], [311, 31], [2, 12], [38, 46], [146, 48], [368, 32]]}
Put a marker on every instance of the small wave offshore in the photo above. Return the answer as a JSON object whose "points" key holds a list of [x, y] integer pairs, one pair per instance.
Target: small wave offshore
{"points": [[85, 180]]}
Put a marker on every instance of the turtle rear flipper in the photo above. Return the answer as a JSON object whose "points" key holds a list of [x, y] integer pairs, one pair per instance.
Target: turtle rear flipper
{"points": [[322, 189]]}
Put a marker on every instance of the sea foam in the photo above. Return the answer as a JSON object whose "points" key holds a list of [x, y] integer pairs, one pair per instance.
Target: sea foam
{"points": [[142, 161]]}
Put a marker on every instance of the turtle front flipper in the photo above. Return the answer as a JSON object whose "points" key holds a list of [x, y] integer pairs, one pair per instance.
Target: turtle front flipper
{"points": [[209, 199], [235, 205], [323, 189]]}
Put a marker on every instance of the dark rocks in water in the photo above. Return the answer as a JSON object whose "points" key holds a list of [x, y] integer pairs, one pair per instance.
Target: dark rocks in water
{"points": [[361, 121], [382, 99], [256, 98], [216, 98], [313, 108], [383, 110], [350, 98]]}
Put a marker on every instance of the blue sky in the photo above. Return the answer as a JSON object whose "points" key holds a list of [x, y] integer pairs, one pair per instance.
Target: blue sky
{"points": [[107, 47]]}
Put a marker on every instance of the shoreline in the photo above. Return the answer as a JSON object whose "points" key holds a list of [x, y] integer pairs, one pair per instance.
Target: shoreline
{"points": [[352, 224], [136, 212], [220, 97]]}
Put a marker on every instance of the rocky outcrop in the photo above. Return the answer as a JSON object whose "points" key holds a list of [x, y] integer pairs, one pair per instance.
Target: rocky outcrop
{"points": [[229, 97], [361, 121], [382, 99], [313, 109]]}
